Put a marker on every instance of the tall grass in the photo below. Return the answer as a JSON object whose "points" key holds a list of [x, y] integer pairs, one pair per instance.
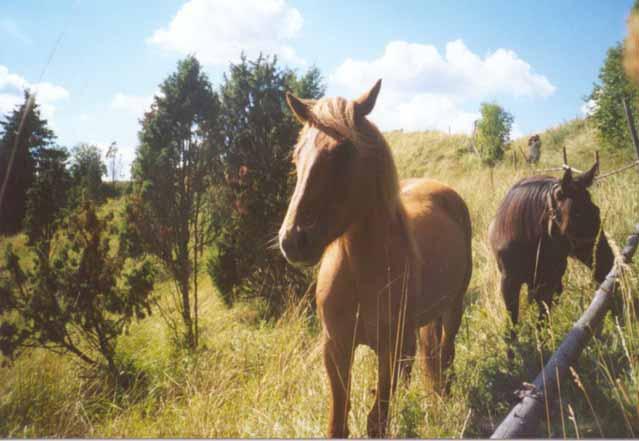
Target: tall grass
{"points": [[259, 378]]}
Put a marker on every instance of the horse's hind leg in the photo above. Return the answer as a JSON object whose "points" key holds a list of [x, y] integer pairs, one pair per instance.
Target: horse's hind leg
{"points": [[430, 338], [438, 346], [451, 320], [510, 292]]}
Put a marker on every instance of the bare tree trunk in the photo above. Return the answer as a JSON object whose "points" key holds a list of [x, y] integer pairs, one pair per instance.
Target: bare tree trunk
{"points": [[186, 311], [195, 271]]}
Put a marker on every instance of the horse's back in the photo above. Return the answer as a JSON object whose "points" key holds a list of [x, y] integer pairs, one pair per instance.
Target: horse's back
{"points": [[427, 198], [518, 226], [519, 217], [440, 222]]}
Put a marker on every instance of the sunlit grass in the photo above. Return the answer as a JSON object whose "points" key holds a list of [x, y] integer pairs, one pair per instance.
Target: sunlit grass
{"points": [[258, 378]]}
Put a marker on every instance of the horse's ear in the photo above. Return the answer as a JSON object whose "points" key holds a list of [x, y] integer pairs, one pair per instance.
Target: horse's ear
{"points": [[365, 103], [587, 178], [566, 180], [301, 108]]}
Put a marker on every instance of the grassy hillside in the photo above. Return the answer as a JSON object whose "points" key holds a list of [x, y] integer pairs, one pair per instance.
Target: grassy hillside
{"points": [[255, 378]]}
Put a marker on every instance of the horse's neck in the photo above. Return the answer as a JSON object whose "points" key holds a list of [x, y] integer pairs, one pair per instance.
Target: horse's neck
{"points": [[370, 238], [381, 248]]}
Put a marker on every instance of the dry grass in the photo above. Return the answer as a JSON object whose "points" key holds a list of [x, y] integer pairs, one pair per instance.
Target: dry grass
{"points": [[254, 378]]}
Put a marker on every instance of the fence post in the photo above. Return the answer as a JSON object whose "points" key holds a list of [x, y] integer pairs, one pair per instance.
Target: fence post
{"points": [[631, 125]]}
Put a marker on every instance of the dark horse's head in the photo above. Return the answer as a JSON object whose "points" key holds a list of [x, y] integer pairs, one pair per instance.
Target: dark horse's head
{"points": [[578, 220]]}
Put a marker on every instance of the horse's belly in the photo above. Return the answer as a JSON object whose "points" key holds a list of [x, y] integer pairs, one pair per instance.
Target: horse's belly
{"points": [[445, 265]]}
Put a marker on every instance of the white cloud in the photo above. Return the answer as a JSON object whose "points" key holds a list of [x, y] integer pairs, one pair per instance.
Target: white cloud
{"points": [[217, 31], [516, 132], [133, 104], [423, 89], [588, 107], [425, 111], [9, 101], [12, 87]]}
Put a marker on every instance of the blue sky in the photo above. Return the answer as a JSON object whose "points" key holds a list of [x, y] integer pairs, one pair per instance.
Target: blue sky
{"points": [[438, 59]]}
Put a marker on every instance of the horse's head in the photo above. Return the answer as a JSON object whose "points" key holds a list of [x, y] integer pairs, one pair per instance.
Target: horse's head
{"points": [[579, 221], [332, 180]]}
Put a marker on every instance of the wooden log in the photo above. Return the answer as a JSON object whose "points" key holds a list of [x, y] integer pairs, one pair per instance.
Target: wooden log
{"points": [[523, 420]]}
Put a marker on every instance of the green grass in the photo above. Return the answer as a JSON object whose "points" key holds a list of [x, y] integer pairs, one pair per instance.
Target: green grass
{"points": [[257, 378]]}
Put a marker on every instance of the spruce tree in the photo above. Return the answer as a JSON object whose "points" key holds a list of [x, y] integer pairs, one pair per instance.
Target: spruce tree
{"points": [[24, 134], [169, 214], [259, 135]]}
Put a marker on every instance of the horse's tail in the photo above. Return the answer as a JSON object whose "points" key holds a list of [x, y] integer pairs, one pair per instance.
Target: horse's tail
{"points": [[468, 229], [458, 210]]}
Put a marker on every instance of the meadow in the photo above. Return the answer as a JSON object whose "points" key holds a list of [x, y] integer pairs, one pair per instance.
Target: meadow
{"points": [[259, 377]]}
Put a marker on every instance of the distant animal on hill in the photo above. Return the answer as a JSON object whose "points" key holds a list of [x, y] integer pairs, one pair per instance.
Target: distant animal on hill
{"points": [[541, 221], [395, 259], [534, 149]]}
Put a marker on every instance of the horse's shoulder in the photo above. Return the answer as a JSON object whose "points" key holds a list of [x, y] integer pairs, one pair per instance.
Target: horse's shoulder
{"points": [[335, 274]]}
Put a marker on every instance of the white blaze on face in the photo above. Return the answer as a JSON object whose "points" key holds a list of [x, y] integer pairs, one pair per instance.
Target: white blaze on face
{"points": [[305, 160]]}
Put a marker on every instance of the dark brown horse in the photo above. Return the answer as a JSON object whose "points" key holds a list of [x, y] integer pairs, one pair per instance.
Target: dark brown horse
{"points": [[395, 258], [542, 221]]}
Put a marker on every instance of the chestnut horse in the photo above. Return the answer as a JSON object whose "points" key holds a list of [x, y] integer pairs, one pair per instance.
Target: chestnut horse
{"points": [[539, 224], [392, 263]]}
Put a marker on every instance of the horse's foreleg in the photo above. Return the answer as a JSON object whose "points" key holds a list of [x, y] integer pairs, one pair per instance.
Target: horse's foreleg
{"points": [[388, 367], [544, 298], [408, 355], [338, 367], [510, 292]]}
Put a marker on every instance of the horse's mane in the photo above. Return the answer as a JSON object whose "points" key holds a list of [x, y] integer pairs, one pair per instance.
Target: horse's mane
{"points": [[523, 212]]}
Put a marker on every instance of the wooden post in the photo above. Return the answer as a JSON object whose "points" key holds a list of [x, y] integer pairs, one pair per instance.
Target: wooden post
{"points": [[631, 126], [524, 418]]}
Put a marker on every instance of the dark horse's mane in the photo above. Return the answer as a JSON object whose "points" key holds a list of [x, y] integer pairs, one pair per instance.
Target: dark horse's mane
{"points": [[523, 213]]}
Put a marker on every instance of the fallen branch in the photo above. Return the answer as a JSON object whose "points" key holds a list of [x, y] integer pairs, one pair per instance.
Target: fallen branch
{"points": [[523, 419], [619, 170], [556, 169]]}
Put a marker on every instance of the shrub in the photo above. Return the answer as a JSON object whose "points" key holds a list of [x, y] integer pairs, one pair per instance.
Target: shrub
{"points": [[77, 301], [608, 112], [256, 180], [493, 132]]}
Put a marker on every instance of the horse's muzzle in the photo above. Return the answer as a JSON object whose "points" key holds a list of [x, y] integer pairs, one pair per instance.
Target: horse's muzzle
{"points": [[298, 246]]}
